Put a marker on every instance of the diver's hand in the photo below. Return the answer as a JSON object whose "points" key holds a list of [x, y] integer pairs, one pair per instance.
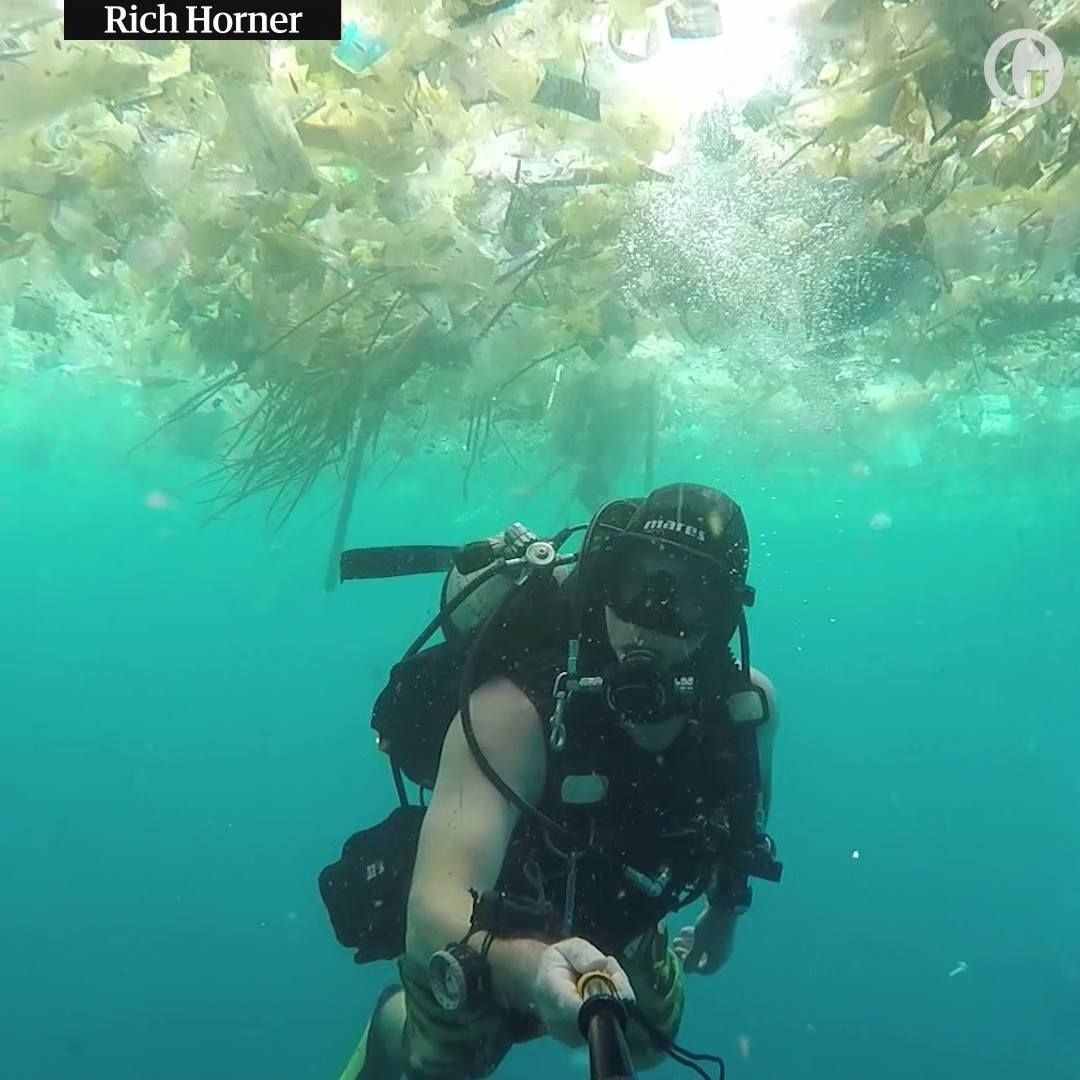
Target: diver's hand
{"points": [[555, 992], [705, 946]]}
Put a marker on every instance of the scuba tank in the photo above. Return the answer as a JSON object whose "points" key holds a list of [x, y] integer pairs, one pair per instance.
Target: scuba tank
{"points": [[470, 593]]}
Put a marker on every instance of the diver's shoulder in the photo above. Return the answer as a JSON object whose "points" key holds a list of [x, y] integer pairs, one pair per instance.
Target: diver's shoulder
{"points": [[501, 699], [507, 728], [503, 715]]}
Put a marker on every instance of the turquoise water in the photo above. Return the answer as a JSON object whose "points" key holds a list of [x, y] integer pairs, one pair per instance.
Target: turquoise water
{"points": [[185, 745]]}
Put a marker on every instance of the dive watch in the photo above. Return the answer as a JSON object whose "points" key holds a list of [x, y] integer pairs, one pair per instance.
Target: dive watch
{"points": [[459, 976]]}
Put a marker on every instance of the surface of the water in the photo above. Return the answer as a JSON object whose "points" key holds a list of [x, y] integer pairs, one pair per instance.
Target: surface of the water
{"points": [[184, 744]]}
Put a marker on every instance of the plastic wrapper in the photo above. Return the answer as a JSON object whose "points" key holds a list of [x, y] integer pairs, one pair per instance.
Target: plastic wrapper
{"points": [[259, 118], [34, 314]]}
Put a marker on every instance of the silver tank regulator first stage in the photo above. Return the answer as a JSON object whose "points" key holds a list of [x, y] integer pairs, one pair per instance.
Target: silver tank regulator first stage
{"points": [[469, 563]]}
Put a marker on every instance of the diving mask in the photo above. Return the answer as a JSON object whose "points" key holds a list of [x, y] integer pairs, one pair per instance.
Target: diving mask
{"points": [[662, 588]]}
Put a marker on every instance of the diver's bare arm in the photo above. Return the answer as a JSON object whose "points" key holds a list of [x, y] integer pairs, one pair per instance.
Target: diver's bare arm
{"points": [[719, 924], [766, 735], [718, 930], [466, 831]]}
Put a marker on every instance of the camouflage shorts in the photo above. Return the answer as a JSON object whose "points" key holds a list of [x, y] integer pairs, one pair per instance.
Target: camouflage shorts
{"points": [[441, 1046]]}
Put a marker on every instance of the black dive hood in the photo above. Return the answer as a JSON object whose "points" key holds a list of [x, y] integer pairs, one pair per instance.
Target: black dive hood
{"points": [[606, 541]]}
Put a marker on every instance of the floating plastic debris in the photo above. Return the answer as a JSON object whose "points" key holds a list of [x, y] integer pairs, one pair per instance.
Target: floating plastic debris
{"points": [[960, 968], [464, 12], [637, 41], [34, 314], [998, 417], [568, 95], [158, 500], [357, 51], [694, 19], [425, 220]]}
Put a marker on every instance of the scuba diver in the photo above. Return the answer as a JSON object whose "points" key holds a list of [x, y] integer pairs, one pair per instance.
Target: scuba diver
{"points": [[596, 757]]}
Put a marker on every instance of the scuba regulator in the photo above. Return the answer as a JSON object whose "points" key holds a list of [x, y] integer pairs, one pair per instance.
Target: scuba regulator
{"points": [[474, 585], [636, 690]]}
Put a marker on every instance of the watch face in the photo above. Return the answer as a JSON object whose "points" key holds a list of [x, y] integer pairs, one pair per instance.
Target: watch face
{"points": [[447, 981]]}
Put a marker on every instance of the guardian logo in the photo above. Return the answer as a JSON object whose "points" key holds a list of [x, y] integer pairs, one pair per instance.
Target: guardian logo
{"points": [[661, 525], [1035, 55]]}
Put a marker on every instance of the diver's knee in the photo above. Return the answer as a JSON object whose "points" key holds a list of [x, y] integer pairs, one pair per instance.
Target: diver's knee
{"points": [[389, 1017], [379, 1052], [387, 994]]}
